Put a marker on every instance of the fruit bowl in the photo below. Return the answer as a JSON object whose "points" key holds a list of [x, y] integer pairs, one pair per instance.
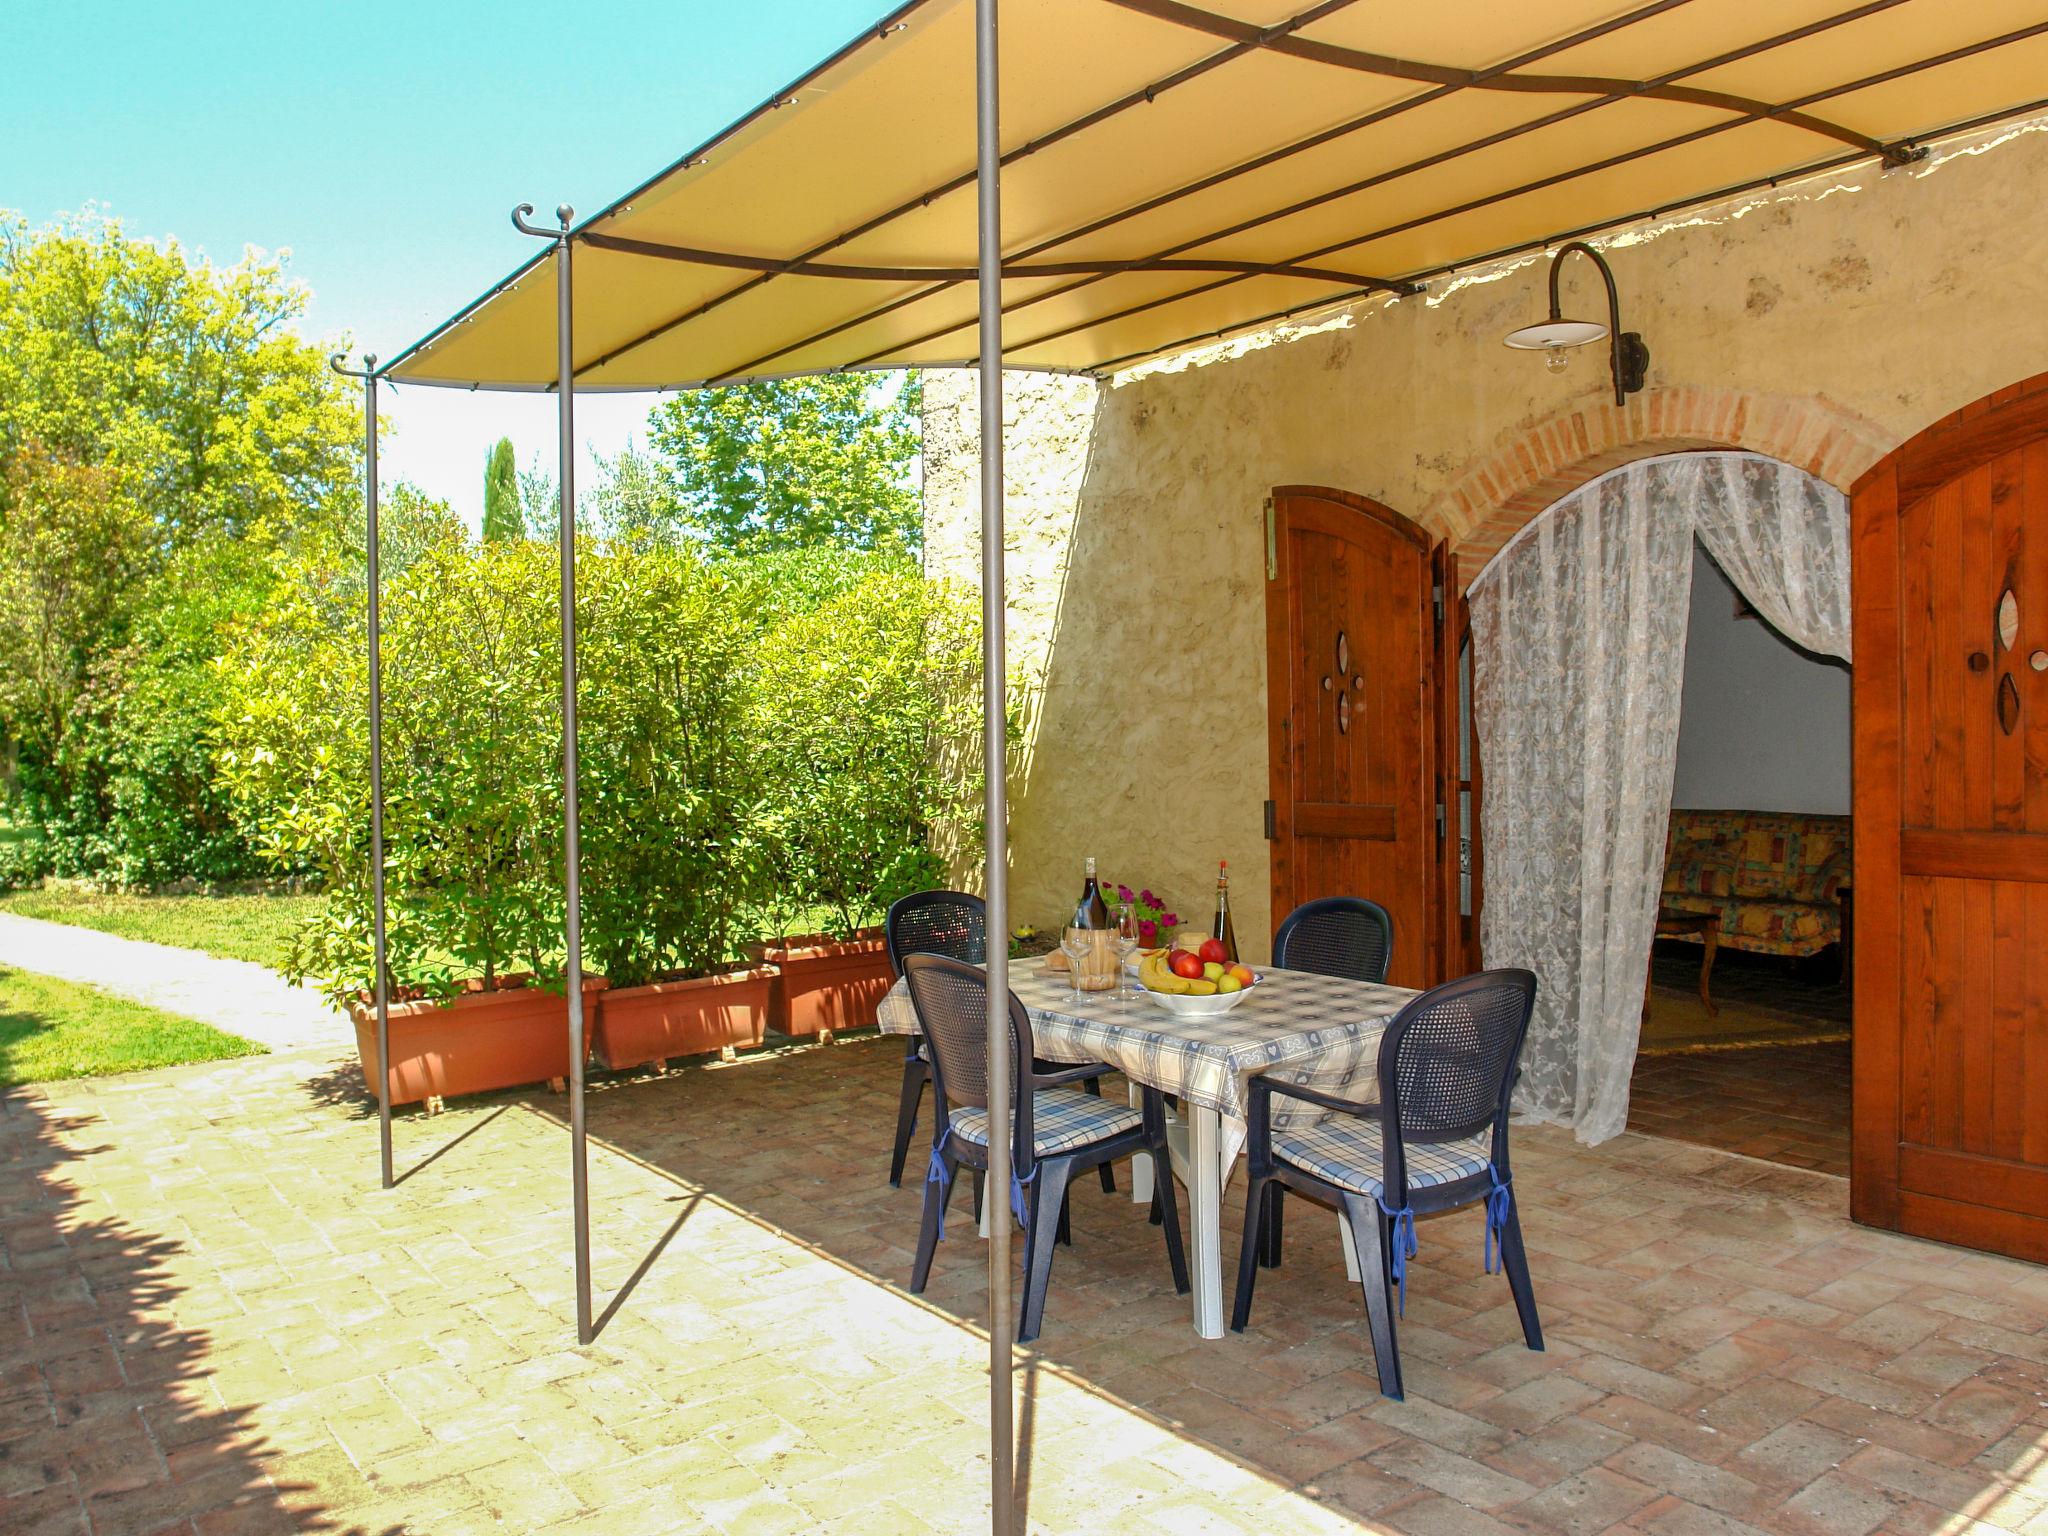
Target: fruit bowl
{"points": [[1188, 1006]]}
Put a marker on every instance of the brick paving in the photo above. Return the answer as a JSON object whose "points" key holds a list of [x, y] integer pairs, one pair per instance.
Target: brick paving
{"points": [[214, 1322]]}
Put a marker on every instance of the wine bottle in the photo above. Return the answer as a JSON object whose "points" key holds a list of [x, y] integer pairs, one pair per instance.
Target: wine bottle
{"points": [[1223, 929], [1093, 911]]}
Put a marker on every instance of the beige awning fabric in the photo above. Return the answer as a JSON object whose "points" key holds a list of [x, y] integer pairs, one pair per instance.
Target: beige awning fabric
{"points": [[1174, 171]]}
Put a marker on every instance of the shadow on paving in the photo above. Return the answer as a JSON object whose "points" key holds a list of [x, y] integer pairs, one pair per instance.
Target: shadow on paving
{"points": [[1722, 1344], [109, 1421]]}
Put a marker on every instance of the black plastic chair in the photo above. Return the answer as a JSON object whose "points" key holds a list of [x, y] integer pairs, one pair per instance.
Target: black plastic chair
{"points": [[1057, 1130], [954, 924], [1344, 936], [1437, 1140], [951, 923]]}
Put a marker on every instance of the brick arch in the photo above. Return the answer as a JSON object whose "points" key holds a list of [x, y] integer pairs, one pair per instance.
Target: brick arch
{"points": [[1495, 498]]}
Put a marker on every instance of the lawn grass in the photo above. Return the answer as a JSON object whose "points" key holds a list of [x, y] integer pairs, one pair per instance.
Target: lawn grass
{"points": [[233, 927], [52, 1029]]}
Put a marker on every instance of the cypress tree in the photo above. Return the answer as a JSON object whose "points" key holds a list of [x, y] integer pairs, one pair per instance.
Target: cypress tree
{"points": [[503, 520]]}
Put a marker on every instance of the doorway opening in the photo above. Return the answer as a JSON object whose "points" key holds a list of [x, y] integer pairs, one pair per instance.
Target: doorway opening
{"points": [[1746, 1032]]}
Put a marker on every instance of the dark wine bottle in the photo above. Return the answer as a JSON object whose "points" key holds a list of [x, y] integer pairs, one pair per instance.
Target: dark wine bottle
{"points": [[1093, 911], [1223, 929]]}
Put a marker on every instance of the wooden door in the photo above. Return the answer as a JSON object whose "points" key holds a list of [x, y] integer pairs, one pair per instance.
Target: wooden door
{"points": [[1351, 705], [1950, 584]]}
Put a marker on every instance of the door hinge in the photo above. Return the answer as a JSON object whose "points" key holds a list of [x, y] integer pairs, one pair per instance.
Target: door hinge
{"points": [[1272, 546], [1270, 833], [1436, 597], [1443, 822]]}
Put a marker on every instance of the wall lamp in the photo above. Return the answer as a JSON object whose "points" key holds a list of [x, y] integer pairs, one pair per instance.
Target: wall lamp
{"points": [[1628, 358]]}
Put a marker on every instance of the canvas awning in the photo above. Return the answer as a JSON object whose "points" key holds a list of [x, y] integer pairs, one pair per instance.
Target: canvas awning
{"points": [[1172, 171]]}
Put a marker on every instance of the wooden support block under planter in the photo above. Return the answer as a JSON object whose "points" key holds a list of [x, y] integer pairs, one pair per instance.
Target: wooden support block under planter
{"points": [[507, 1037], [828, 984], [693, 1017]]}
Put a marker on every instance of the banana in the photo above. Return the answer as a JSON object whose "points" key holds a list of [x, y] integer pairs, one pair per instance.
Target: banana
{"points": [[1203, 988]]}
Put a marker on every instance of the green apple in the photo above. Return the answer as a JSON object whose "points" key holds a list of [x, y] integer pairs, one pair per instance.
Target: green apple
{"points": [[1212, 971]]}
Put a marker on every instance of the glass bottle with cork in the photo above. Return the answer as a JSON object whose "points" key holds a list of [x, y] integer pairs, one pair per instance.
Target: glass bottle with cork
{"points": [[1223, 930]]}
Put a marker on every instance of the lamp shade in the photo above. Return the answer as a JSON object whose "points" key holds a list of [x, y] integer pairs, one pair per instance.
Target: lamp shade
{"points": [[1546, 334]]}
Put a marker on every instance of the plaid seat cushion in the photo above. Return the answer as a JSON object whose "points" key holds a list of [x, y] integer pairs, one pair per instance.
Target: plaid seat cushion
{"points": [[1061, 1120], [1345, 1151]]}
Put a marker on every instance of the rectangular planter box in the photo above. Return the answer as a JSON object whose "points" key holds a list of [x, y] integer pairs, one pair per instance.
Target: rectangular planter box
{"points": [[636, 1025], [828, 984], [472, 1043]]}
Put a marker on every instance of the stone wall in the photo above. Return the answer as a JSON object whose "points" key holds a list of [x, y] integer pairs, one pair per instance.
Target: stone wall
{"points": [[1820, 323]]}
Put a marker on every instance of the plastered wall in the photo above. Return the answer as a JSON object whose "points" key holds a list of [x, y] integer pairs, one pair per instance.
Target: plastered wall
{"points": [[1135, 510]]}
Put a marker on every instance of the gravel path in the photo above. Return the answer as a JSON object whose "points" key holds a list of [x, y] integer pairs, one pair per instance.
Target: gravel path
{"points": [[238, 996]]}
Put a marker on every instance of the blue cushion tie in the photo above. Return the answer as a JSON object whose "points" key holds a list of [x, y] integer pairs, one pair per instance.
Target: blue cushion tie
{"points": [[1017, 1195], [935, 1171], [1497, 1201], [1404, 1249]]}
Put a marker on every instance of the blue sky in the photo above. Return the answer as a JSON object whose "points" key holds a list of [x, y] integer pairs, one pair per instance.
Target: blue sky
{"points": [[383, 144]]}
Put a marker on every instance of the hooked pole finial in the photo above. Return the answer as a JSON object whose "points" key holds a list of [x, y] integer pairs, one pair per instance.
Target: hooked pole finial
{"points": [[522, 220]]}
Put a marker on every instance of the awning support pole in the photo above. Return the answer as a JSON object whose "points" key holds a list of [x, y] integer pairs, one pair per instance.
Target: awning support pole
{"points": [[572, 864], [379, 946], [995, 760]]}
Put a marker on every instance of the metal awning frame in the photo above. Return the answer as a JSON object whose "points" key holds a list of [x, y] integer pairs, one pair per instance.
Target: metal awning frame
{"points": [[994, 745], [988, 274]]}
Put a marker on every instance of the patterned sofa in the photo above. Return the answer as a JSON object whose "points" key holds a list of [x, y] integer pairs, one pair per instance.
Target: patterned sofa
{"points": [[1774, 877]]}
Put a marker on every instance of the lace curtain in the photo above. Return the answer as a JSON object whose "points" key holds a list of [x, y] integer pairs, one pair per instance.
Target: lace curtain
{"points": [[1578, 661], [1783, 538]]}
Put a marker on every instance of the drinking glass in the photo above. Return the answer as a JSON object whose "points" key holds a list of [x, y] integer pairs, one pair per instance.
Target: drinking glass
{"points": [[1079, 944], [1126, 946]]}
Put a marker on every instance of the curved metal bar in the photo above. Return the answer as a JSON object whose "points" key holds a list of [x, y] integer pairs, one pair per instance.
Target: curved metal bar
{"points": [[779, 267], [1385, 65]]}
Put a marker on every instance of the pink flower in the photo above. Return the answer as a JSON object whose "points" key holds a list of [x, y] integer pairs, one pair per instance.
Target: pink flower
{"points": [[1123, 893], [1148, 931], [1148, 898], [1171, 920]]}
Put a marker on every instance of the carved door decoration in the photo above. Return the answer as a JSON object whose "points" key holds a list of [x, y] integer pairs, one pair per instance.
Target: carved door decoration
{"points": [[1351, 666], [1951, 830]]}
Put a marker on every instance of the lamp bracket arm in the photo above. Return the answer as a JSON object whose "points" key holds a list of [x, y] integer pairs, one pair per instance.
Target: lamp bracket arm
{"points": [[339, 363]]}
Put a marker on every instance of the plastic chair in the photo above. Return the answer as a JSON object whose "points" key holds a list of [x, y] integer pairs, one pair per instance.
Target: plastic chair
{"points": [[951, 923], [1057, 1130], [1437, 1140], [1336, 936]]}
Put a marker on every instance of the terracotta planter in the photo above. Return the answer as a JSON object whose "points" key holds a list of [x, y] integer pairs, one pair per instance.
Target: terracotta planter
{"points": [[514, 1034], [636, 1025], [828, 984]]}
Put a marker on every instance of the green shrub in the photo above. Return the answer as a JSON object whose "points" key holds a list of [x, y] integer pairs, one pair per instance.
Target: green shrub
{"points": [[673, 856], [730, 778], [472, 776], [864, 708]]}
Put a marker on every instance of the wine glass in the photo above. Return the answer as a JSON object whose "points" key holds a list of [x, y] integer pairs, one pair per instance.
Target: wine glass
{"points": [[1078, 944], [1126, 946]]}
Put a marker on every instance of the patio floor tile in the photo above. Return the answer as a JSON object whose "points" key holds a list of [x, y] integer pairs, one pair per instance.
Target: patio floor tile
{"points": [[212, 1321]]}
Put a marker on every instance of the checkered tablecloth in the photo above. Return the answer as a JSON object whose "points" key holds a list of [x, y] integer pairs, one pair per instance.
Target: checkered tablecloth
{"points": [[1318, 1030]]}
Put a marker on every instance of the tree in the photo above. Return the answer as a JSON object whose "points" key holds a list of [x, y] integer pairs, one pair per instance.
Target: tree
{"points": [[164, 435], [795, 462], [183, 378], [503, 518], [73, 545]]}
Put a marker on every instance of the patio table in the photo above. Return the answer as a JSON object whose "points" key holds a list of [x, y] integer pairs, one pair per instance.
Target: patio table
{"points": [[1305, 1028]]}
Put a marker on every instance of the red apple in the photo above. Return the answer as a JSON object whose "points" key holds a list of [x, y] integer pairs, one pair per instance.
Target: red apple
{"points": [[1186, 963], [1213, 951]]}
